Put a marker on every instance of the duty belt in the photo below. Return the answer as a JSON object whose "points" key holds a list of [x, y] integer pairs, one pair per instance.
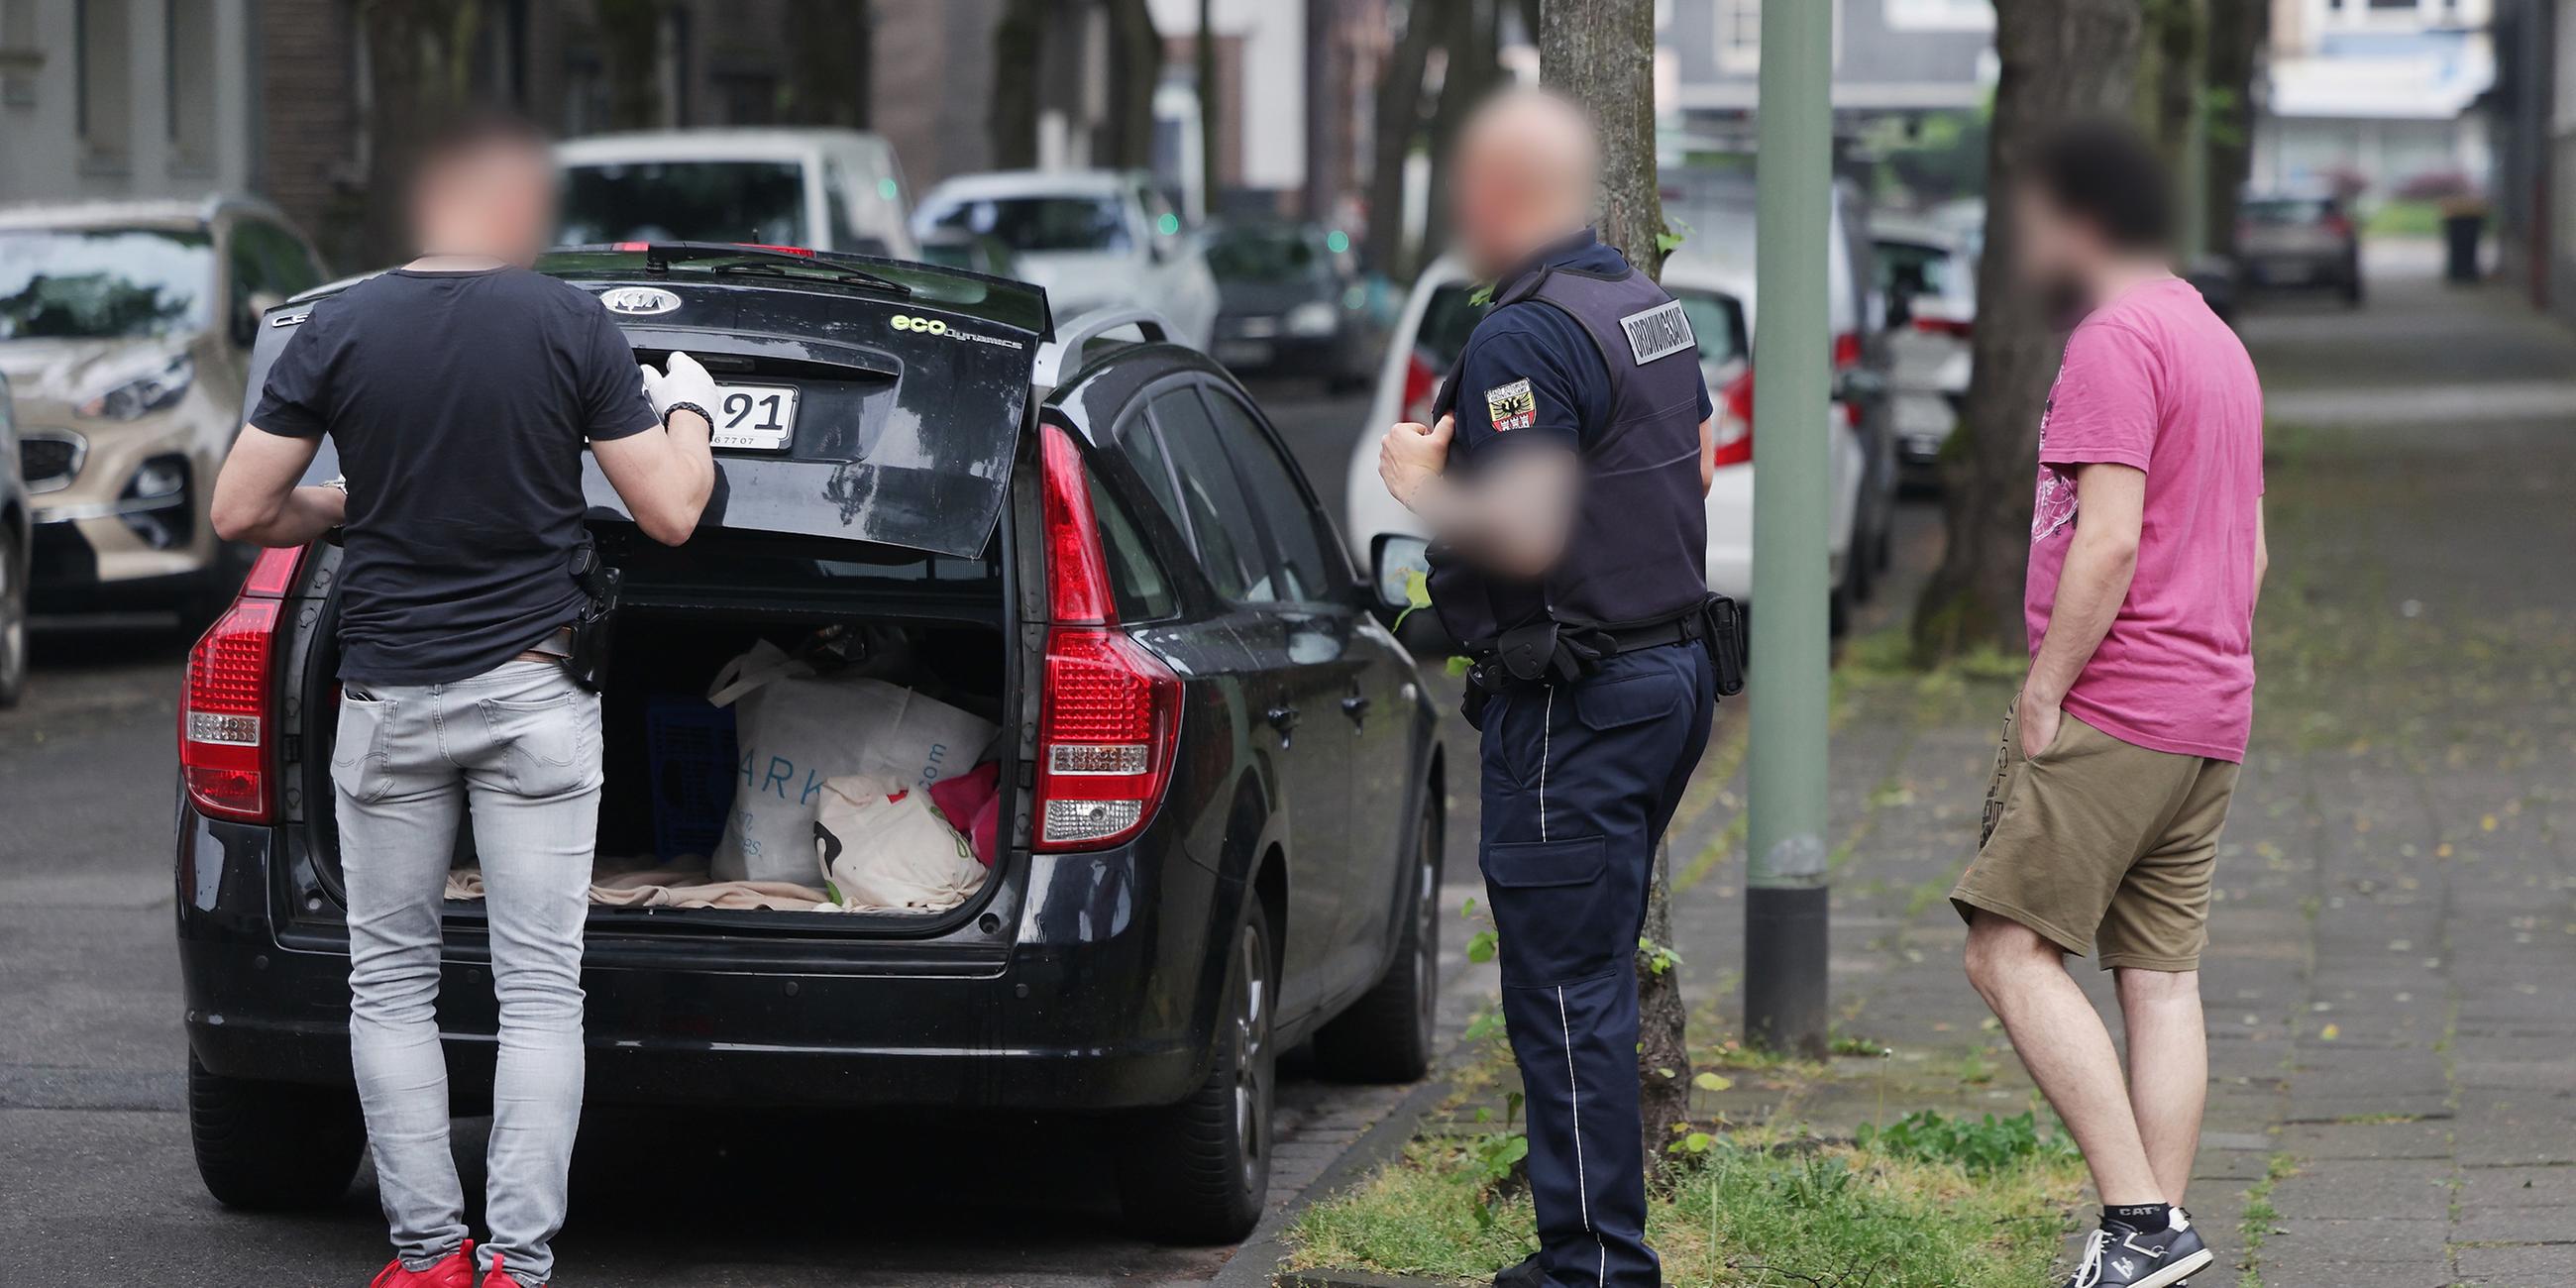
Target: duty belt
{"points": [[1553, 652]]}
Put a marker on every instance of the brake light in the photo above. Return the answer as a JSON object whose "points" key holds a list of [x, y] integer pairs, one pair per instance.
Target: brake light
{"points": [[636, 248], [1421, 385], [806, 252], [1959, 328], [2338, 225], [1734, 428], [1110, 720], [1846, 357], [225, 733]]}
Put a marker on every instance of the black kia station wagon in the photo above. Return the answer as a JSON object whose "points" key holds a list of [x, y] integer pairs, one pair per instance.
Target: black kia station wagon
{"points": [[1216, 791]]}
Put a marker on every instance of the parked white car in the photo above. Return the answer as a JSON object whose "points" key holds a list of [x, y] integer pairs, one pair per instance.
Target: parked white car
{"points": [[822, 189], [1718, 297], [1092, 238], [1928, 276]]}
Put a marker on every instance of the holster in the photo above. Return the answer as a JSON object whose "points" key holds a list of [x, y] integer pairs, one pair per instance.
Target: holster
{"points": [[1722, 633], [593, 630]]}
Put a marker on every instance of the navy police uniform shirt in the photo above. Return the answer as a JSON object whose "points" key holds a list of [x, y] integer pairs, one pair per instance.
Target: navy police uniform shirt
{"points": [[1531, 373]]}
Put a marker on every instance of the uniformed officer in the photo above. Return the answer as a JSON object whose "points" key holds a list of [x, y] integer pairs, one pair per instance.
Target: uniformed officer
{"points": [[1564, 485]]}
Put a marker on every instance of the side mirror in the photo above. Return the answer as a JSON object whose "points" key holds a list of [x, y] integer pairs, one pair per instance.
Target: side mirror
{"points": [[254, 306], [1395, 559]]}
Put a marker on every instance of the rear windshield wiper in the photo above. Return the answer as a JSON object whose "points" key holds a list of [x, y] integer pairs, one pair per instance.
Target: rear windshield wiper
{"points": [[827, 272]]}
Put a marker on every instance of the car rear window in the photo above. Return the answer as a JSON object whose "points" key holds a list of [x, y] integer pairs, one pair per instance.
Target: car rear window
{"points": [[1718, 321], [1448, 318], [1040, 223], [762, 202], [2284, 211]]}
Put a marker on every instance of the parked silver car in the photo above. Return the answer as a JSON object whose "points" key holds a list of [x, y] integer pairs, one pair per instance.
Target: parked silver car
{"points": [[1927, 274]]}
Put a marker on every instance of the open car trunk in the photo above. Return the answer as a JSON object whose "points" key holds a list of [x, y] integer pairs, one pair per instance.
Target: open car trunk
{"points": [[673, 762]]}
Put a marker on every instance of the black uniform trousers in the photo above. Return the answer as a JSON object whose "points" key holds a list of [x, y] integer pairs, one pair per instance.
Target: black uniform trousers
{"points": [[1580, 781]]}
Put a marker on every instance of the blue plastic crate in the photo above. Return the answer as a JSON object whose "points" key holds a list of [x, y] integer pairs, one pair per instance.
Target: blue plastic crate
{"points": [[694, 761]]}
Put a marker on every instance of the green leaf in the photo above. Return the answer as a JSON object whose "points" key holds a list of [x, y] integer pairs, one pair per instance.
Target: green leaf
{"points": [[1480, 946], [1482, 295], [1712, 1082], [1459, 664]]}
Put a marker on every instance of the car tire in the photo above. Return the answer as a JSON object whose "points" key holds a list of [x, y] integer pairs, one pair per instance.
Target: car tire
{"points": [[271, 1146], [1389, 1034], [1198, 1172], [13, 620]]}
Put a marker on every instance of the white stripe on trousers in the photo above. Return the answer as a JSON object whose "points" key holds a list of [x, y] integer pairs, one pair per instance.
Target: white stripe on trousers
{"points": [[1574, 1093]]}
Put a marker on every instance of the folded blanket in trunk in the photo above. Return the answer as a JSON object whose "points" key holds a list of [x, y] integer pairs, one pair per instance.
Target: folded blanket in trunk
{"points": [[683, 884]]}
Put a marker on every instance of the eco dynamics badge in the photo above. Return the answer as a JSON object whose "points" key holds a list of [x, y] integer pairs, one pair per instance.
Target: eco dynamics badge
{"points": [[1512, 406], [935, 326]]}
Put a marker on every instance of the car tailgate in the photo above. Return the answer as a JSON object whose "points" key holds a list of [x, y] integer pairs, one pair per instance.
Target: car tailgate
{"points": [[906, 414]]}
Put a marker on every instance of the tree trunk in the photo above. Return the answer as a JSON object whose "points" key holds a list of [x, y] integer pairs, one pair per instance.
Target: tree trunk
{"points": [[2061, 59], [419, 68], [2171, 66], [830, 63], [1204, 59], [1601, 54], [1126, 140], [2236, 32], [1017, 43], [1472, 40], [1398, 124]]}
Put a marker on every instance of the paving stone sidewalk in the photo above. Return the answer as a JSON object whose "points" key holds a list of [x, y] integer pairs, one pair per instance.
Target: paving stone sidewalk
{"points": [[2391, 987]]}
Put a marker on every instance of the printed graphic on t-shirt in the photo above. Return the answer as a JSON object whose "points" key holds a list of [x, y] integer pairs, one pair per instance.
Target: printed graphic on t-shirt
{"points": [[1512, 406], [2054, 505]]}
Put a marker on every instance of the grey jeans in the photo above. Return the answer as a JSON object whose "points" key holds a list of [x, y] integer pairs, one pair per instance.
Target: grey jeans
{"points": [[518, 748]]}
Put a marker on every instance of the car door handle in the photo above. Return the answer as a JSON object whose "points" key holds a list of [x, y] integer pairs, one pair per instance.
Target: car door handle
{"points": [[1356, 707], [1283, 719]]}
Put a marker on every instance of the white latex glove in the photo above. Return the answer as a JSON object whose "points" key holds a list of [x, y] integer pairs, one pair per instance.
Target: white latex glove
{"points": [[685, 385]]}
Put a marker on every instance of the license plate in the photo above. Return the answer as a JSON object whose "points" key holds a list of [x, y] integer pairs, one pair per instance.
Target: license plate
{"points": [[755, 418], [1243, 353]]}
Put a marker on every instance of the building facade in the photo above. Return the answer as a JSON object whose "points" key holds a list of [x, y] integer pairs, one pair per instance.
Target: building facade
{"points": [[2376, 94], [1890, 56]]}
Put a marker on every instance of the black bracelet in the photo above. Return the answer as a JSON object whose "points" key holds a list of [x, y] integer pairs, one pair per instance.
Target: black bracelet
{"points": [[687, 406]]}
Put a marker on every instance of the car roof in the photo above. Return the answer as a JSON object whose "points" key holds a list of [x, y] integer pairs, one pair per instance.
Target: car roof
{"points": [[1031, 183], [166, 213], [711, 143]]}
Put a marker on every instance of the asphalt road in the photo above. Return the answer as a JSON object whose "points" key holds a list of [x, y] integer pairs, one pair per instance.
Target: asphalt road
{"points": [[97, 1185]]}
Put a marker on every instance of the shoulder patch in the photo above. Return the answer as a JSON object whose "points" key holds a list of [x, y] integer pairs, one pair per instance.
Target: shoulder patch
{"points": [[1512, 406], [1659, 332]]}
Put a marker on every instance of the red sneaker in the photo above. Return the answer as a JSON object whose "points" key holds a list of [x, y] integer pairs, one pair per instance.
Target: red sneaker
{"points": [[453, 1271], [495, 1279]]}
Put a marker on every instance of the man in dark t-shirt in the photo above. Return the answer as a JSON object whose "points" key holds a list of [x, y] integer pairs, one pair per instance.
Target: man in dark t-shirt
{"points": [[460, 390]]}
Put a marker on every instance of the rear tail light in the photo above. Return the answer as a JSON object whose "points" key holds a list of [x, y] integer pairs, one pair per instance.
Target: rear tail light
{"points": [[1110, 721], [1421, 385], [2338, 225], [802, 252], [1734, 428], [1847, 356], [1960, 328], [226, 734]]}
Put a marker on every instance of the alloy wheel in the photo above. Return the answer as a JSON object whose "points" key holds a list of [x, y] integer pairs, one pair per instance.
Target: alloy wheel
{"points": [[1252, 1065]]}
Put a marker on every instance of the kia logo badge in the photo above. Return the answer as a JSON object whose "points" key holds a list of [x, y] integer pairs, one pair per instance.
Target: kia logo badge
{"points": [[637, 301]]}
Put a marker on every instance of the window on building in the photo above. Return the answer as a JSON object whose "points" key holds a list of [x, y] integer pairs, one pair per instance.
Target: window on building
{"points": [[19, 57], [1941, 15], [1739, 35], [103, 38], [189, 72]]}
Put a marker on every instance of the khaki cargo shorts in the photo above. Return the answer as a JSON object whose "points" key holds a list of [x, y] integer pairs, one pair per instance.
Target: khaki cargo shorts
{"points": [[2098, 841]]}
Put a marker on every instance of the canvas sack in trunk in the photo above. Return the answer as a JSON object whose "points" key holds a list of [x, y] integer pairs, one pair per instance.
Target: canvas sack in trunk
{"points": [[798, 730], [882, 848]]}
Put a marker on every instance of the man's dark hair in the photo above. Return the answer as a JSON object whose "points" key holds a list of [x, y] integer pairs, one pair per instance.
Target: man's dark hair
{"points": [[2104, 172], [478, 130]]}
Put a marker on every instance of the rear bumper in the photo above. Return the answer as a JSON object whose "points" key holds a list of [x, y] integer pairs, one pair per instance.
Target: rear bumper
{"points": [[1095, 991]]}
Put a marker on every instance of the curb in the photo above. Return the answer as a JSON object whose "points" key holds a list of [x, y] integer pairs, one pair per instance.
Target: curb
{"points": [[1256, 1263]]}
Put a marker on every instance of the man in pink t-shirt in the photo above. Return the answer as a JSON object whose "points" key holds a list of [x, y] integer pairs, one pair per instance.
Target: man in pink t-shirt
{"points": [[2121, 752]]}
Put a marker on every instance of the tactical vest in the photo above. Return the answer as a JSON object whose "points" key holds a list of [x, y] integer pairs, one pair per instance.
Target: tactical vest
{"points": [[1637, 550]]}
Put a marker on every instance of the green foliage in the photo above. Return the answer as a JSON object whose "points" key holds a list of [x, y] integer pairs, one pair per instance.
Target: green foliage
{"points": [[1983, 1147], [1417, 594], [1655, 957]]}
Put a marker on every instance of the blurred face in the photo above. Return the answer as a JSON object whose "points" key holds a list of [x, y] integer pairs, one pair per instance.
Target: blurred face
{"points": [[2057, 255], [1487, 216], [497, 201]]}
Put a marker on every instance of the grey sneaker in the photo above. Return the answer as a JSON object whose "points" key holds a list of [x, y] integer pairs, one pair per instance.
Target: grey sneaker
{"points": [[2116, 1256]]}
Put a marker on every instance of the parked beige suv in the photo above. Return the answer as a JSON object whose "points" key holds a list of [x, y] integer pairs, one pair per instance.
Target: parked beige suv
{"points": [[125, 334]]}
